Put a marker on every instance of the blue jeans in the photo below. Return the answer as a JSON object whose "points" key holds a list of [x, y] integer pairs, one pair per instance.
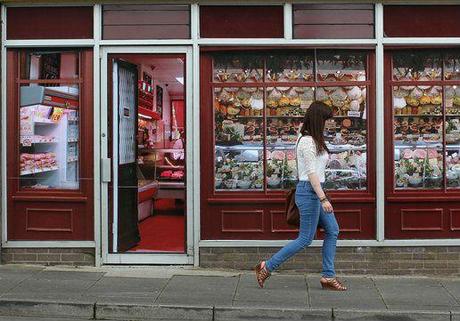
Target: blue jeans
{"points": [[311, 214]]}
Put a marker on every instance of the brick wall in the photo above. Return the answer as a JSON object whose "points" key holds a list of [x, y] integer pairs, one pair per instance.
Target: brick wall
{"points": [[443, 261], [48, 256]]}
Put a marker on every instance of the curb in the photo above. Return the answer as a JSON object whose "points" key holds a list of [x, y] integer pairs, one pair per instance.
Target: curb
{"points": [[152, 312], [44, 308], [101, 311]]}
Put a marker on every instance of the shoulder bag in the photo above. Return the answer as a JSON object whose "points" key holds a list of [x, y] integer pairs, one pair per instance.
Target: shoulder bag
{"points": [[292, 211]]}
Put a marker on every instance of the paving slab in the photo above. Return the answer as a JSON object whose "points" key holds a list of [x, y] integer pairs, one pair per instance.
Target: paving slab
{"points": [[68, 275], [110, 286], [361, 293], [199, 290], [414, 293], [10, 276], [453, 286], [282, 291], [60, 290]]}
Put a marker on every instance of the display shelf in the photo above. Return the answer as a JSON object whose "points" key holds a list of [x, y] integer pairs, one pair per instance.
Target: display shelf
{"points": [[24, 173], [400, 145], [418, 115], [164, 150], [284, 116], [148, 113], [170, 167], [452, 115], [332, 148]]}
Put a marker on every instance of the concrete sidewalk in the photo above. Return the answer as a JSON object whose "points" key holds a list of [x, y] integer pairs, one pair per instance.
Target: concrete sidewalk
{"points": [[165, 293]]}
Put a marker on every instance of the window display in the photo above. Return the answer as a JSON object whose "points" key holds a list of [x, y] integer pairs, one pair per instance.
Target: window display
{"points": [[49, 121], [426, 120], [259, 104]]}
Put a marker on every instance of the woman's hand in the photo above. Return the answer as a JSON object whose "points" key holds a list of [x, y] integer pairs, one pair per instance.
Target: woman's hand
{"points": [[327, 207]]}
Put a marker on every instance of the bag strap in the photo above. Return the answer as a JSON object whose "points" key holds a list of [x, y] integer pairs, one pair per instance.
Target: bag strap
{"points": [[296, 158]]}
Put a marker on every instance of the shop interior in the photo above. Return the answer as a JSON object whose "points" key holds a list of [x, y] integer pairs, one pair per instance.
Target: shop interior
{"points": [[157, 222]]}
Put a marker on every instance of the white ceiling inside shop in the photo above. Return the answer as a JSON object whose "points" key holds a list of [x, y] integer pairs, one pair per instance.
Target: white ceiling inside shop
{"points": [[166, 70]]}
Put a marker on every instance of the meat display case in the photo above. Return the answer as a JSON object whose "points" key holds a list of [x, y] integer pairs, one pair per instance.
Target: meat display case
{"points": [[422, 143], [255, 102]]}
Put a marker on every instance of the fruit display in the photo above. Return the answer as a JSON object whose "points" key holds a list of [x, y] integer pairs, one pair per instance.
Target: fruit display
{"points": [[453, 170], [347, 170], [418, 168], [418, 129], [417, 100], [256, 126]]}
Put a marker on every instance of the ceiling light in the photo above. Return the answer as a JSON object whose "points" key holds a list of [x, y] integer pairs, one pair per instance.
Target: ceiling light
{"points": [[180, 79]]}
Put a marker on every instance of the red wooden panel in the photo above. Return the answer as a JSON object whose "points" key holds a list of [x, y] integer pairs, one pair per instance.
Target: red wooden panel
{"points": [[349, 220], [49, 220], [454, 219], [242, 220], [241, 22], [179, 105], [421, 21], [328, 17], [333, 31], [146, 32], [334, 6], [50, 22], [422, 219], [279, 224], [145, 7], [146, 17]]}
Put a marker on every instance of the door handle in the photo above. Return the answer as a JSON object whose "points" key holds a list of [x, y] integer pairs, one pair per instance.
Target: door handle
{"points": [[106, 170]]}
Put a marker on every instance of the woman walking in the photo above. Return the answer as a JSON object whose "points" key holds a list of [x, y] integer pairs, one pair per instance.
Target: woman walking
{"points": [[314, 206]]}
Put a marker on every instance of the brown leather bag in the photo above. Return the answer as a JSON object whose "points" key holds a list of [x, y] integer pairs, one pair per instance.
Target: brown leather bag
{"points": [[292, 211]]}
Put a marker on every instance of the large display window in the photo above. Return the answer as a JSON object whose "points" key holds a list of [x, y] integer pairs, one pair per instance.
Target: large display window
{"points": [[256, 102], [50, 136], [424, 88]]}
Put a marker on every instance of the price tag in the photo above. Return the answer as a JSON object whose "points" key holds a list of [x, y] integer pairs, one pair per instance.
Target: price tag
{"points": [[57, 114], [26, 140], [353, 113]]}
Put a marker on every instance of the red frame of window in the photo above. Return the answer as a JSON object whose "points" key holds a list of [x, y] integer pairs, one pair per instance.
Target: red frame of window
{"points": [[78, 205], [264, 210], [401, 202]]}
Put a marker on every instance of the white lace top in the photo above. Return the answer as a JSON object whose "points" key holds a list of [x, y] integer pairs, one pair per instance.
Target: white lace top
{"points": [[309, 162]]}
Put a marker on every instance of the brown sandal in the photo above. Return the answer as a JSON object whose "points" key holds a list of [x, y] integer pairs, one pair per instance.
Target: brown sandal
{"points": [[262, 273], [332, 284]]}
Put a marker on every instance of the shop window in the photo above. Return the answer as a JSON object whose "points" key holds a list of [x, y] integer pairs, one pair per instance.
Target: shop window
{"points": [[49, 120], [241, 22], [426, 117], [421, 21], [148, 21], [333, 21], [50, 22], [259, 103]]}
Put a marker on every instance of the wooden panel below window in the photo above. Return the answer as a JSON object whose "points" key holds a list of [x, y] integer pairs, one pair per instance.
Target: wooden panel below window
{"points": [[242, 221], [50, 22], [454, 219], [241, 22], [406, 219], [49, 220], [279, 224], [146, 22], [340, 21], [421, 21]]}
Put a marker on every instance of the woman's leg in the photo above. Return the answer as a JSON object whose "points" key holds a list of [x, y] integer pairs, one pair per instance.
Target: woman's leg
{"points": [[309, 208], [328, 222]]}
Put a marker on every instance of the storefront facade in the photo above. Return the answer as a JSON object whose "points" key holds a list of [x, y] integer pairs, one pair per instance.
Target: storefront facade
{"points": [[124, 121]]}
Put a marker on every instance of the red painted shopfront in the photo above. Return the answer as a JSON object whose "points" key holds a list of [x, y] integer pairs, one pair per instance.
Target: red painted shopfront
{"points": [[394, 171]]}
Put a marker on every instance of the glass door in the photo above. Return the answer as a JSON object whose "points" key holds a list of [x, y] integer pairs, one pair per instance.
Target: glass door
{"points": [[146, 212]]}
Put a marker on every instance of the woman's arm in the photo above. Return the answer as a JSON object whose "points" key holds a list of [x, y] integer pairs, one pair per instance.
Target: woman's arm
{"points": [[315, 183]]}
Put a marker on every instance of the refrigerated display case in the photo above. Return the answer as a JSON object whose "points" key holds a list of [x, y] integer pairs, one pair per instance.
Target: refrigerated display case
{"points": [[256, 102], [422, 143]]}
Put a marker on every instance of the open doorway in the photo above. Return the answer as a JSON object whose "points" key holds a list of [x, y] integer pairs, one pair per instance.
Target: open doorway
{"points": [[147, 212]]}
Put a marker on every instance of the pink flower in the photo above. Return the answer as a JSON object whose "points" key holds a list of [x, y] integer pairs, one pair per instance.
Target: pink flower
{"points": [[408, 154], [420, 153]]}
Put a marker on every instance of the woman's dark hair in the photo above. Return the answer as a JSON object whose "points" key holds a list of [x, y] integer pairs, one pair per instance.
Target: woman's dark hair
{"points": [[313, 124]]}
